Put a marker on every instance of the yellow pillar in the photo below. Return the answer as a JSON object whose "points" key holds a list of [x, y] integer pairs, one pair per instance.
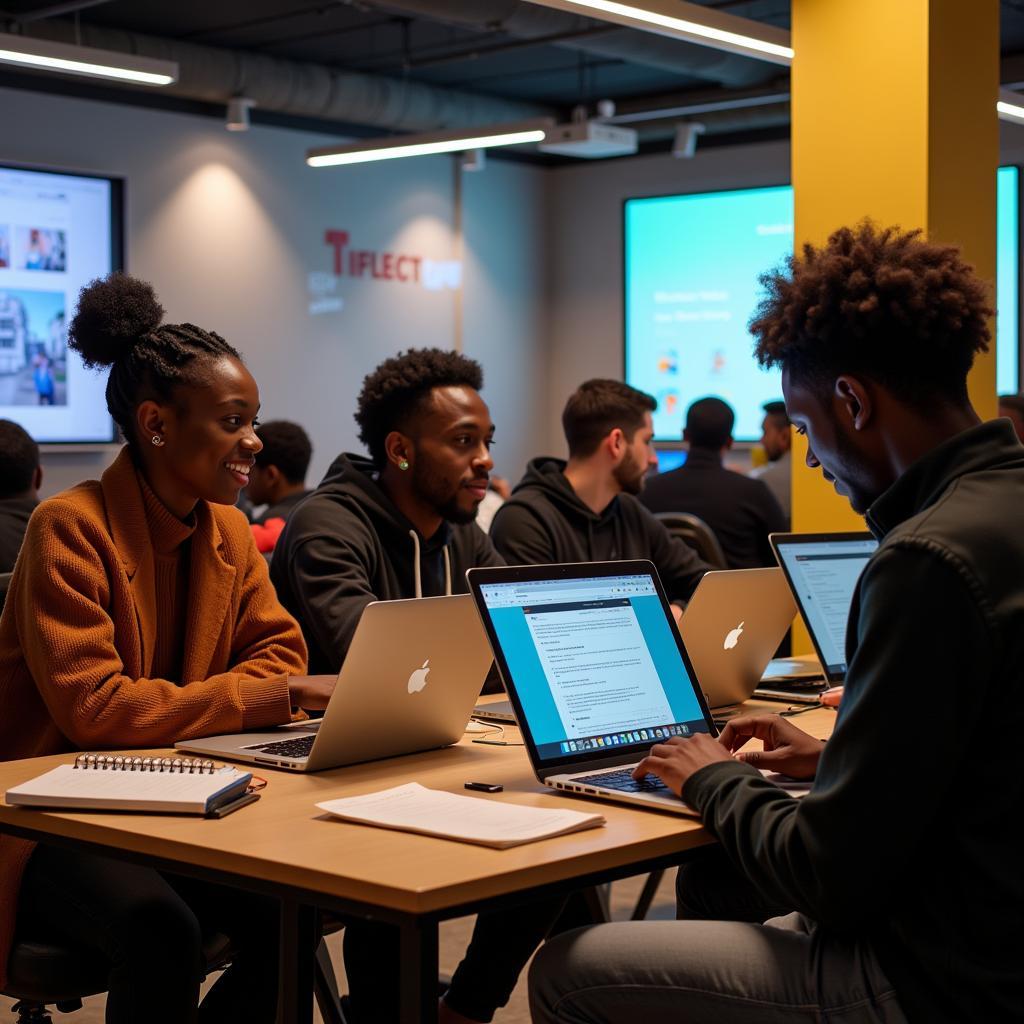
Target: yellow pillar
{"points": [[894, 118]]}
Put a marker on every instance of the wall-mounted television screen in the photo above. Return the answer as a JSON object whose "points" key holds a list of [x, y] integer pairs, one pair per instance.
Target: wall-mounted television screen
{"points": [[57, 233], [692, 264]]}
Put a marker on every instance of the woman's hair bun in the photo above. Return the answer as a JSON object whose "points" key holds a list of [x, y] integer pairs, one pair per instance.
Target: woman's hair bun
{"points": [[113, 314]]}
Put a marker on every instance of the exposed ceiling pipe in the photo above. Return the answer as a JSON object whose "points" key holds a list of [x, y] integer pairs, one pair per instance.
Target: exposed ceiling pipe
{"points": [[720, 122], [302, 89], [528, 21]]}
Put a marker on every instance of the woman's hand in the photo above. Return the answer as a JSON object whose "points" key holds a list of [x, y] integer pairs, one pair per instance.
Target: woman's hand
{"points": [[310, 692]]}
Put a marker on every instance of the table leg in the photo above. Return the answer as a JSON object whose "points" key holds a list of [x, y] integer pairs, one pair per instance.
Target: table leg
{"points": [[418, 994], [299, 934]]}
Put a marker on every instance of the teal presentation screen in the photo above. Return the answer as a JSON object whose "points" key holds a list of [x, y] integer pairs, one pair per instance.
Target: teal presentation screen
{"points": [[692, 264]]}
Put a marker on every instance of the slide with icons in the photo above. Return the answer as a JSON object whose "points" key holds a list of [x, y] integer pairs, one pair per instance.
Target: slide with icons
{"points": [[692, 269]]}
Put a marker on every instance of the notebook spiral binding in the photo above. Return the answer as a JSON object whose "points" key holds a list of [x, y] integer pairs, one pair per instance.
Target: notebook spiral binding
{"points": [[119, 763]]}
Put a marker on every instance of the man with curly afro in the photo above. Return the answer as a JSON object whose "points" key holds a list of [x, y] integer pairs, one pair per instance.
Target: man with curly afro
{"points": [[400, 524], [893, 891]]}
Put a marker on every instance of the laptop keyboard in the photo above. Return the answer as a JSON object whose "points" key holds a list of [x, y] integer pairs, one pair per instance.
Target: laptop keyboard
{"points": [[624, 782], [298, 747]]}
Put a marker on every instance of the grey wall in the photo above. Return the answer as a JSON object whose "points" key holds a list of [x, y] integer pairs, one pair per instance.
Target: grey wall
{"points": [[228, 227]]}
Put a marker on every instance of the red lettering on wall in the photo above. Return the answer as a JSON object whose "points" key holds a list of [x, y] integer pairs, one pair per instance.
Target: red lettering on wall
{"points": [[382, 266], [337, 240]]}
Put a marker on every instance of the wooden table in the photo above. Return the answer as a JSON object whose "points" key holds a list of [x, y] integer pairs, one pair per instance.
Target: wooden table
{"points": [[284, 846]]}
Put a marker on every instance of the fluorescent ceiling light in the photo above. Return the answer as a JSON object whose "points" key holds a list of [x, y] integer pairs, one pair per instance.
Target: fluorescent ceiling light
{"points": [[691, 23], [1010, 106], [43, 55], [427, 143]]}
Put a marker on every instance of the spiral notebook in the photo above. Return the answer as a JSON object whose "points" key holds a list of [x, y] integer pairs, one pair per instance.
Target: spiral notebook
{"points": [[165, 785]]}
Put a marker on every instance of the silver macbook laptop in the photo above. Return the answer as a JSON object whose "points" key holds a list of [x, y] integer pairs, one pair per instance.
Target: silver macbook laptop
{"points": [[732, 626], [410, 679], [822, 570], [595, 670]]}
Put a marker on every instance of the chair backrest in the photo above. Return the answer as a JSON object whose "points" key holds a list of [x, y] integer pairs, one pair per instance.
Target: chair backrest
{"points": [[5, 582], [695, 532]]}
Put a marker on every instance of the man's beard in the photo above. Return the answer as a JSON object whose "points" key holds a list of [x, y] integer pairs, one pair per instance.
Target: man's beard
{"points": [[433, 491], [629, 475]]}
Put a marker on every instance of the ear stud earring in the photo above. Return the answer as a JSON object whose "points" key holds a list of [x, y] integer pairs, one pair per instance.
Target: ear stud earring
{"points": [[403, 464], [157, 440]]}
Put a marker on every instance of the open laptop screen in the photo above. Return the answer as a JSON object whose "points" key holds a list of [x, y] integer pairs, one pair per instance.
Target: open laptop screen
{"points": [[594, 662], [823, 570]]}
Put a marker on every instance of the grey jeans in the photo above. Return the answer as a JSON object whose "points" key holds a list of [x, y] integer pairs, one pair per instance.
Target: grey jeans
{"points": [[729, 972]]}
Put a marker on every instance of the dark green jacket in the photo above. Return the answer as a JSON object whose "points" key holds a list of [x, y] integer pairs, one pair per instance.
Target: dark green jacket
{"points": [[912, 836]]}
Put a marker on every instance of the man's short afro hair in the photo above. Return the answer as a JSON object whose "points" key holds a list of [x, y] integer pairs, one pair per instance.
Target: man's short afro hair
{"points": [[888, 304], [393, 393]]}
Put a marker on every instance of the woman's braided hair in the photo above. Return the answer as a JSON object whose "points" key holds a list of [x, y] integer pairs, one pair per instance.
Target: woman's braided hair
{"points": [[118, 324]]}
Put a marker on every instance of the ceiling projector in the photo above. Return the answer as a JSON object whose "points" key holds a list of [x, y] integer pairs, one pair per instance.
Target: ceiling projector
{"points": [[589, 140]]}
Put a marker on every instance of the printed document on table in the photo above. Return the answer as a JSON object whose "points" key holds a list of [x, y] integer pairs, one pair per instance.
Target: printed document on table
{"points": [[431, 812]]}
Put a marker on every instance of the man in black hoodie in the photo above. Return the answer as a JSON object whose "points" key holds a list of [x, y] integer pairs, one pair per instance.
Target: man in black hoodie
{"points": [[585, 510], [400, 525], [902, 866]]}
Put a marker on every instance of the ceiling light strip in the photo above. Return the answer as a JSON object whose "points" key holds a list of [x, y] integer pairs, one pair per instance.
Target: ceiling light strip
{"points": [[702, 25], [44, 55], [426, 144]]}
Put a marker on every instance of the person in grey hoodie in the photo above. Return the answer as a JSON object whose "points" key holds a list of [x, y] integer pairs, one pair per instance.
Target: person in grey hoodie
{"points": [[586, 510], [400, 524]]}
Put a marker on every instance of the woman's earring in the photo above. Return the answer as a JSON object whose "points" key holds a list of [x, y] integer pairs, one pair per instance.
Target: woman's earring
{"points": [[157, 440], [403, 464]]}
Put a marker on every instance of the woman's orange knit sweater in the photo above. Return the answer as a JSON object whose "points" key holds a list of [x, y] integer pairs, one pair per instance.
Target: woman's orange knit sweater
{"points": [[80, 629]]}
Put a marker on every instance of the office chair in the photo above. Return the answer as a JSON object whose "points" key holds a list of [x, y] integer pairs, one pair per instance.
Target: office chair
{"points": [[695, 532], [43, 973]]}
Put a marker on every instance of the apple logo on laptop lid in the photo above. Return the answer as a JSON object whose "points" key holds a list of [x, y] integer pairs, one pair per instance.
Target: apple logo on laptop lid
{"points": [[418, 679], [732, 638]]}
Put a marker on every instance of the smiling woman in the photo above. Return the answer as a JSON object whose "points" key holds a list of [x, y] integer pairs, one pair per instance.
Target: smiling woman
{"points": [[141, 613]]}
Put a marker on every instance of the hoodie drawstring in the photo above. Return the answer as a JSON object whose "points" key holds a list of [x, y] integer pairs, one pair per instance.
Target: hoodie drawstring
{"points": [[418, 582]]}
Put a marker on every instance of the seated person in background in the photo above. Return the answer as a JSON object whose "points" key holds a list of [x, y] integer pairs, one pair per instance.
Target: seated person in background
{"points": [[777, 472], [20, 477], [1012, 407], [585, 510], [278, 479], [741, 512], [140, 613], [400, 524], [902, 865]]}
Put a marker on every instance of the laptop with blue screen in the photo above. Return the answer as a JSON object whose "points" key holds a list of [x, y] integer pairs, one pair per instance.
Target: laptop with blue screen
{"points": [[595, 671], [822, 570]]}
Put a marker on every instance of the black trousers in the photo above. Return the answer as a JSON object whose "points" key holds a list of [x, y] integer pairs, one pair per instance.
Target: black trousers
{"points": [[503, 941], [148, 927]]}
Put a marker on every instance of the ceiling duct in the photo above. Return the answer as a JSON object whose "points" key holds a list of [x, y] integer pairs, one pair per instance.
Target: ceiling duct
{"points": [[528, 21], [301, 89]]}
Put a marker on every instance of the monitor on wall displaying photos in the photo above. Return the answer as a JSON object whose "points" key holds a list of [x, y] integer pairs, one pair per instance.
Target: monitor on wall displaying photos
{"points": [[692, 264], [57, 233]]}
